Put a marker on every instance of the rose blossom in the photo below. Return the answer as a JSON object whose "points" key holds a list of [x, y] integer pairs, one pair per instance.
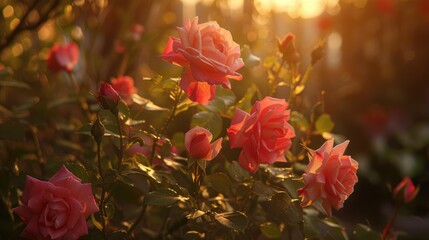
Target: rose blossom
{"points": [[56, 209], [405, 191], [330, 176], [124, 86], [63, 57], [198, 146], [209, 55], [264, 135], [108, 98]]}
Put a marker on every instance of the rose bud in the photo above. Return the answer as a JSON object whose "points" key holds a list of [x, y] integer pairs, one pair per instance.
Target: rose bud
{"points": [[108, 98], [287, 48], [198, 146], [405, 191]]}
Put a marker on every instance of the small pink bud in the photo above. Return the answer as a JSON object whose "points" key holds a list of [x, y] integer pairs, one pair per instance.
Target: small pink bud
{"points": [[198, 146], [287, 48], [108, 98], [405, 191]]}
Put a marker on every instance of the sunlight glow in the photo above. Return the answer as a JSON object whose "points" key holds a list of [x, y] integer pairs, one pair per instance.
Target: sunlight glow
{"points": [[296, 8]]}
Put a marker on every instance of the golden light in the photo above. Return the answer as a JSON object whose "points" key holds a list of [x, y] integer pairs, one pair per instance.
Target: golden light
{"points": [[296, 8]]}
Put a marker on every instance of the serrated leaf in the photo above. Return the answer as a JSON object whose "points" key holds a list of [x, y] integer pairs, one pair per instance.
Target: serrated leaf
{"points": [[163, 197], [270, 230], [324, 123], [219, 182], [209, 120], [233, 220], [281, 206], [79, 171]]}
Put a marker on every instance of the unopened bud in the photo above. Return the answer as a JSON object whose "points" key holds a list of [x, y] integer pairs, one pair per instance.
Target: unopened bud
{"points": [[108, 98], [97, 130], [405, 191], [317, 54], [288, 50]]}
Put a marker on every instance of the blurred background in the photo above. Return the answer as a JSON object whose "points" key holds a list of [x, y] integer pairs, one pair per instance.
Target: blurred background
{"points": [[375, 71]]}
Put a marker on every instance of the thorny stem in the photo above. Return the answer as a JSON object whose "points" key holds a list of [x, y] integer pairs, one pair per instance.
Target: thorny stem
{"points": [[103, 191]]}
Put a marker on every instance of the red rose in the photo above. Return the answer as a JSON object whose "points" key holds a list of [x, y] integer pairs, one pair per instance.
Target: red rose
{"points": [[63, 57], [108, 98], [56, 209], [329, 177], [405, 191], [198, 146], [264, 135], [124, 86], [210, 58]]}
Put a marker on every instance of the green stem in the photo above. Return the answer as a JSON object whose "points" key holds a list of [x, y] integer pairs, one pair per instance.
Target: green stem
{"points": [[196, 184], [103, 192], [82, 101], [293, 85], [121, 144], [276, 75], [387, 229], [139, 218]]}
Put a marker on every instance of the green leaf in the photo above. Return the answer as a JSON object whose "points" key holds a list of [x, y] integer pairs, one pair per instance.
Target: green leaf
{"points": [[163, 197], [96, 223], [250, 60], [299, 121], [270, 230], [15, 84], [324, 123], [194, 235], [236, 172], [245, 103], [219, 182], [210, 120], [123, 108], [79, 171], [146, 103], [233, 220], [284, 208], [195, 214], [364, 232], [125, 192], [299, 89]]}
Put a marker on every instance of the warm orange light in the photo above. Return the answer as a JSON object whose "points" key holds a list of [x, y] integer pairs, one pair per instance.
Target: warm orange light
{"points": [[296, 8]]}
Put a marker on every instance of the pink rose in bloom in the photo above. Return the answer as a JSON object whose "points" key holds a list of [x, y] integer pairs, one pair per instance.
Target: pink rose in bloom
{"points": [[63, 57], [56, 209], [330, 176], [210, 58], [198, 146], [108, 98], [124, 86], [264, 135], [405, 192]]}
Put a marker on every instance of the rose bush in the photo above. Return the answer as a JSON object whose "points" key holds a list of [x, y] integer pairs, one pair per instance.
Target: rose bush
{"points": [[56, 209], [208, 54]]}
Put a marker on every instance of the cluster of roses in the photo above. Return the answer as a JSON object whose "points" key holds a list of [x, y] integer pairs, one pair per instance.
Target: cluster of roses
{"points": [[56, 209]]}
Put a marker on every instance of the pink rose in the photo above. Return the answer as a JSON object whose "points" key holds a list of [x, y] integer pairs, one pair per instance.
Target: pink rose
{"points": [[56, 209], [124, 86], [108, 98], [198, 146], [405, 191], [330, 176], [209, 55], [264, 135], [63, 57]]}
